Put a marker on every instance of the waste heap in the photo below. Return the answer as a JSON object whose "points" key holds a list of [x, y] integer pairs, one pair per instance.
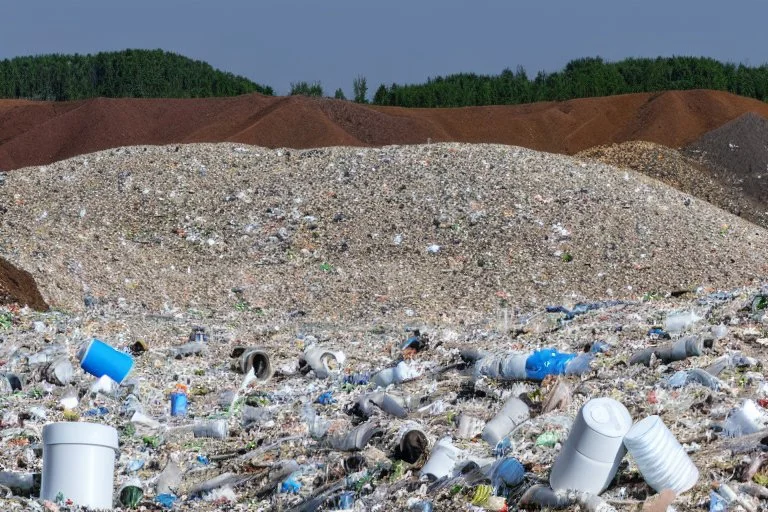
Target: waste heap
{"points": [[610, 405]]}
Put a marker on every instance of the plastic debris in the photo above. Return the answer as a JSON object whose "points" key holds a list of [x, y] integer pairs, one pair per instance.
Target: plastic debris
{"points": [[681, 349], [533, 366], [290, 485]]}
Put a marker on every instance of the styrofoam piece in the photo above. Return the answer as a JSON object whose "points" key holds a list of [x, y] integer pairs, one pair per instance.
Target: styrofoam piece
{"points": [[659, 456], [593, 451], [79, 463]]}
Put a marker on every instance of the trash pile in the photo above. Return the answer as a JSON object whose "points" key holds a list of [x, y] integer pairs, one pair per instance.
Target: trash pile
{"points": [[437, 327], [607, 405], [737, 154], [689, 172]]}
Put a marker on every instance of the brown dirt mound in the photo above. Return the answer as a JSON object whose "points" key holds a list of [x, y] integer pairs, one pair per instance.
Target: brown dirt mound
{"points": [[38, 133], [18, 286], [683, 173]]}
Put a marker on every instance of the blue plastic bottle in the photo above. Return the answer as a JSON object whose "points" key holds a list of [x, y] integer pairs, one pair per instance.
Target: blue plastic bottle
{"points": [[179, 401]]}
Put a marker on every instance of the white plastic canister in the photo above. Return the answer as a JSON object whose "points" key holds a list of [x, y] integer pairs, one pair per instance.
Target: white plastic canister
{"points": [[593, 451], [79, 463], [659, 456]]}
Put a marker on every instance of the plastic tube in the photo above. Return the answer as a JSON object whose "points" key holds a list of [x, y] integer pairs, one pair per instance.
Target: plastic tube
{"points": [[681, 349], [354, 440], [529, 365], [514, 412]]}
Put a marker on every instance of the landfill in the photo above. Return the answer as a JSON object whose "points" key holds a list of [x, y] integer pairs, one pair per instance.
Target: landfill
{"points": [[238, 404], [323, 436]]}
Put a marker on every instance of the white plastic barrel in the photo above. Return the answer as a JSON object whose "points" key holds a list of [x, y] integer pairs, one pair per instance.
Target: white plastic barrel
{"points": [[593, 451], [659, 456], [79, 463]]}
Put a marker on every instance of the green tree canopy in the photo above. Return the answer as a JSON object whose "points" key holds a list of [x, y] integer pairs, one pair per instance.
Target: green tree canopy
{"points": [[128, 73], [580, 78]]}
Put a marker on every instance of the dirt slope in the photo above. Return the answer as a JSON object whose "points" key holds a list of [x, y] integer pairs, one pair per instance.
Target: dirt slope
{"points": [[700, 179], [36, 133], [737, 153]]}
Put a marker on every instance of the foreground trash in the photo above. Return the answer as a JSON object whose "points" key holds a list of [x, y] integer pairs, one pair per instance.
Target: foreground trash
{"points": [[594, 449], [474, 420], [659, 456], [79, 463]]}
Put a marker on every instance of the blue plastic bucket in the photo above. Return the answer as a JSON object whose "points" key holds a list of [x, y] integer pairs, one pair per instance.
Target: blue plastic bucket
{"points": [[100, 359]]}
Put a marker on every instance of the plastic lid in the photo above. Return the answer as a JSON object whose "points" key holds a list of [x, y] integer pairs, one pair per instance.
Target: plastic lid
{"points": [[80, 433], [608, 417]]}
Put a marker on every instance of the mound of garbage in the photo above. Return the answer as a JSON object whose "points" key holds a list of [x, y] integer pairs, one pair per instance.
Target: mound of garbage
{"points": [[690, 175], [437, 327], [443, 230]]}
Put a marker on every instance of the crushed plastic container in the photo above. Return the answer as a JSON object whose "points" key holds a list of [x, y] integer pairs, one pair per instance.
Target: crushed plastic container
{"points": [[680, 321], [529, 365], [745, 419]]}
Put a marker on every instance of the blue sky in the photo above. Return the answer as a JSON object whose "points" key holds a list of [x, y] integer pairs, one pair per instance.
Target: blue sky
{"points": [[276, 42]]}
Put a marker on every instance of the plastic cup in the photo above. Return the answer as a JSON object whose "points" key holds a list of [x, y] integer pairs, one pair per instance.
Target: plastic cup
{"points": [[99, 359], [659, 456], [593, 451], [79, 463], [215, 429], [442, 460], [514, 412]]}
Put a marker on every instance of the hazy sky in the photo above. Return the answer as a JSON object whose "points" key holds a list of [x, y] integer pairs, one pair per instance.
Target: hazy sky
{"points": [[276, 42]]}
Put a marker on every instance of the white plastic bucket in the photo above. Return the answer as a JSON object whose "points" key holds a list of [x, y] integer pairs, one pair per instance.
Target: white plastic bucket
{"points": [[659, 456], [593, 451], [79, 463]]}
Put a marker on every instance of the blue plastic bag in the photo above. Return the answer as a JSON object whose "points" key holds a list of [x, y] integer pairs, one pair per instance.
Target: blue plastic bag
{"points": [[547, 361]]}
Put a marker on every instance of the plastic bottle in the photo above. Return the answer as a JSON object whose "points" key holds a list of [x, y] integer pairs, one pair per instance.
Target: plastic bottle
{"points": [[531, 366], [179, 401]]}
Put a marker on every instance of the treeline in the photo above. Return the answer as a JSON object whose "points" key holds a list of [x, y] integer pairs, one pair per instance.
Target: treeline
{"points": [[128, 73], [580, 79]]}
